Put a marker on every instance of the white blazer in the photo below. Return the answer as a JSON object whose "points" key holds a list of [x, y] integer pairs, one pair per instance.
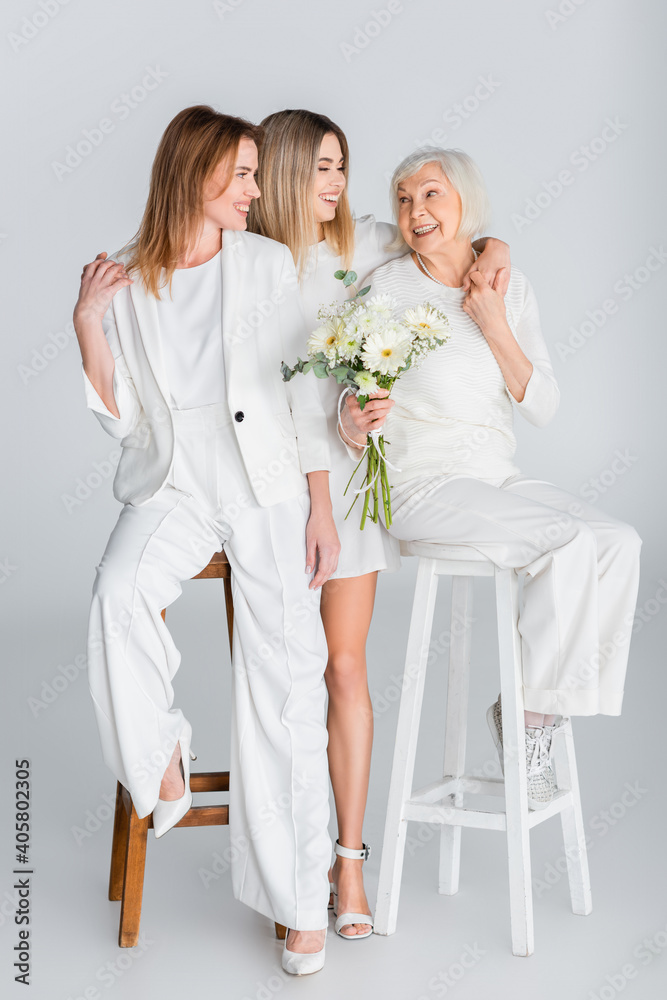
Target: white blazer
{"points": [[280, 426]]}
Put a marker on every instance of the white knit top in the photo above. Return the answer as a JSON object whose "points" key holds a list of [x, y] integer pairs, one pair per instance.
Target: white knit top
{"points": [[454, 413], [190, 321]]}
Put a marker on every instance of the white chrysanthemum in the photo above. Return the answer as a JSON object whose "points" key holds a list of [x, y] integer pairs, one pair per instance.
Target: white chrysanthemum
{"points": [[348, 344], [386, 350], [325, 339], [366, 382], [359, 322], [427, 322], [381, 305]]}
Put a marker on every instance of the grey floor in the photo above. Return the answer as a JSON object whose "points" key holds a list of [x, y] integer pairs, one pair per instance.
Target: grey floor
{"points": [[196, 937]]}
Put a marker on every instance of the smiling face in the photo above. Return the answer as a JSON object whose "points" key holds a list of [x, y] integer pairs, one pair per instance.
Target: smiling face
{"points": [[228, 209], [429, 209], [329, 178]]}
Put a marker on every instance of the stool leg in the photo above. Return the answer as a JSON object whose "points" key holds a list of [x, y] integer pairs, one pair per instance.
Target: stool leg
{"points": [[281, 932], [393, 846], [118, 846], [516, 802], [456, 724], [572, 821], [229, 608], [133, 887]]}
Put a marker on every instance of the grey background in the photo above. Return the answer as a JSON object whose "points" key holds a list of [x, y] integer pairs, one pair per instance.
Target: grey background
{"points": [[553, 79]]}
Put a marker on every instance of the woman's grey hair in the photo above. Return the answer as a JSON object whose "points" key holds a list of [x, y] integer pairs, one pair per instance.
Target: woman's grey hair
{"points": [[465, 177]]}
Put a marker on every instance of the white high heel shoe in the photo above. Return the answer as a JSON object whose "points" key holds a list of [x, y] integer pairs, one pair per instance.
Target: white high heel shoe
{"points": [[350, 918], [303, 964], [167, 813]]}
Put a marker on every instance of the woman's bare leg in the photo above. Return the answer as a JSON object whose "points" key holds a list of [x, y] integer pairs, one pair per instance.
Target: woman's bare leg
{"points": [[535, 719], [172, 785], [347, 608]]}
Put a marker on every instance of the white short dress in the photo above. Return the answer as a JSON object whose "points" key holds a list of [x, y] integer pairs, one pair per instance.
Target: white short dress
{"points": [[373, 548]]}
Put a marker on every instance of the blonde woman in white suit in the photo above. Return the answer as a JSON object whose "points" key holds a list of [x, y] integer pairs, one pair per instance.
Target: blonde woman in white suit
{"points": [[303, 174], [182, 337]]}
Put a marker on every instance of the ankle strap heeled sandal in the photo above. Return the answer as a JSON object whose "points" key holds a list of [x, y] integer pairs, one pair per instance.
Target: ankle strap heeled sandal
{"points": [[343, 919]]}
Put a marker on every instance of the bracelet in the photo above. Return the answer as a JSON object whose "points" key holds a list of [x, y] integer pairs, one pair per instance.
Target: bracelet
{"points": [[355, 444]]}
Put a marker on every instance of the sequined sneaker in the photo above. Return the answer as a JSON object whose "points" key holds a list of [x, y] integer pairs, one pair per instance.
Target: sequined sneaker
{"points": [[539, 772]]}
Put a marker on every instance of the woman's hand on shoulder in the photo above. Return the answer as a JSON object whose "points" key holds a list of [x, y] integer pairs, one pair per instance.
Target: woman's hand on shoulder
{"points": [[486, 306], [493, 264], [100, 280]]}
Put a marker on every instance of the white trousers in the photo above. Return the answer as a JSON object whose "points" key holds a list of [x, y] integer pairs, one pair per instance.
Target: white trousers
{"points": [[580, 571], [279, 796]]}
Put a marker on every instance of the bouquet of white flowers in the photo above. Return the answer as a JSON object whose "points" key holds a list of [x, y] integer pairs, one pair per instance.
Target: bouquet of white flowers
{"points": [[365, 348]]}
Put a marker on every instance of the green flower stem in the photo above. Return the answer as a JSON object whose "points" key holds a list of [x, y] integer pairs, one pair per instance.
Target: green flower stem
{"points": [[376, 473], [367, 492], [376, 491], [350, 480], [386, 496]]}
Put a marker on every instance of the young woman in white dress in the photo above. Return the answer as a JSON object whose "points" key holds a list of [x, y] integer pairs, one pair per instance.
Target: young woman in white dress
{"points": [[303, 175], [454, 478], [178, 369]]}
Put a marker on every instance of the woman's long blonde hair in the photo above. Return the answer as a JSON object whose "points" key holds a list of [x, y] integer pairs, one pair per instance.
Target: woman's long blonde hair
{"points": [[192, 146], [287, 168]]}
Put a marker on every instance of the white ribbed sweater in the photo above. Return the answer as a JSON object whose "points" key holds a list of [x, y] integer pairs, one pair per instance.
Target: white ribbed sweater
{"points": [[454, 413]]}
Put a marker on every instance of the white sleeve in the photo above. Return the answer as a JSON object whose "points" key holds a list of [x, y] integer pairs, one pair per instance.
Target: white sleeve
{"points": [[125, 393], [542, 395], [310, 421]]}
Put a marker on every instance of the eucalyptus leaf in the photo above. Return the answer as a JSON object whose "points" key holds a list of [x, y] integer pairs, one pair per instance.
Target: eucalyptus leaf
{"points": [[340, 274], [349, 278], [365, 291]]}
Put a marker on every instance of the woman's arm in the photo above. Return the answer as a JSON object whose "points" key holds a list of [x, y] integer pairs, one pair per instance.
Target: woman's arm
{"points": [[493, 263], [109, 388], [99, 283], [524, 361], [312, 433], [321, 536]]}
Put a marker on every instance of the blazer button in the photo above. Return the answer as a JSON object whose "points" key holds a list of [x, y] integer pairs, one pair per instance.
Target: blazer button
{"points": [[239, 415]]}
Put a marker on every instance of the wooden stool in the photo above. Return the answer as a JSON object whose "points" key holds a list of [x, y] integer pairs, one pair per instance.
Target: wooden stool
{"points": [[443, 801], [128, 848]]}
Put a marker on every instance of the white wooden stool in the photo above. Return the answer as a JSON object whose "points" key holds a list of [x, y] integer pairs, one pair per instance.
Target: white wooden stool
{"points": [[443, 800]]}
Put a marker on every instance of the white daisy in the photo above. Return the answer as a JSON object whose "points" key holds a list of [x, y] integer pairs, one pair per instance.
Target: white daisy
{"points": [[427, 322], [386, 350], [325, 339]]}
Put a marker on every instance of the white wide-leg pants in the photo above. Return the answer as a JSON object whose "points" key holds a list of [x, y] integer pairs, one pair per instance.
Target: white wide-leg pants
{"points": [[279, 797], [580, 571]]}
